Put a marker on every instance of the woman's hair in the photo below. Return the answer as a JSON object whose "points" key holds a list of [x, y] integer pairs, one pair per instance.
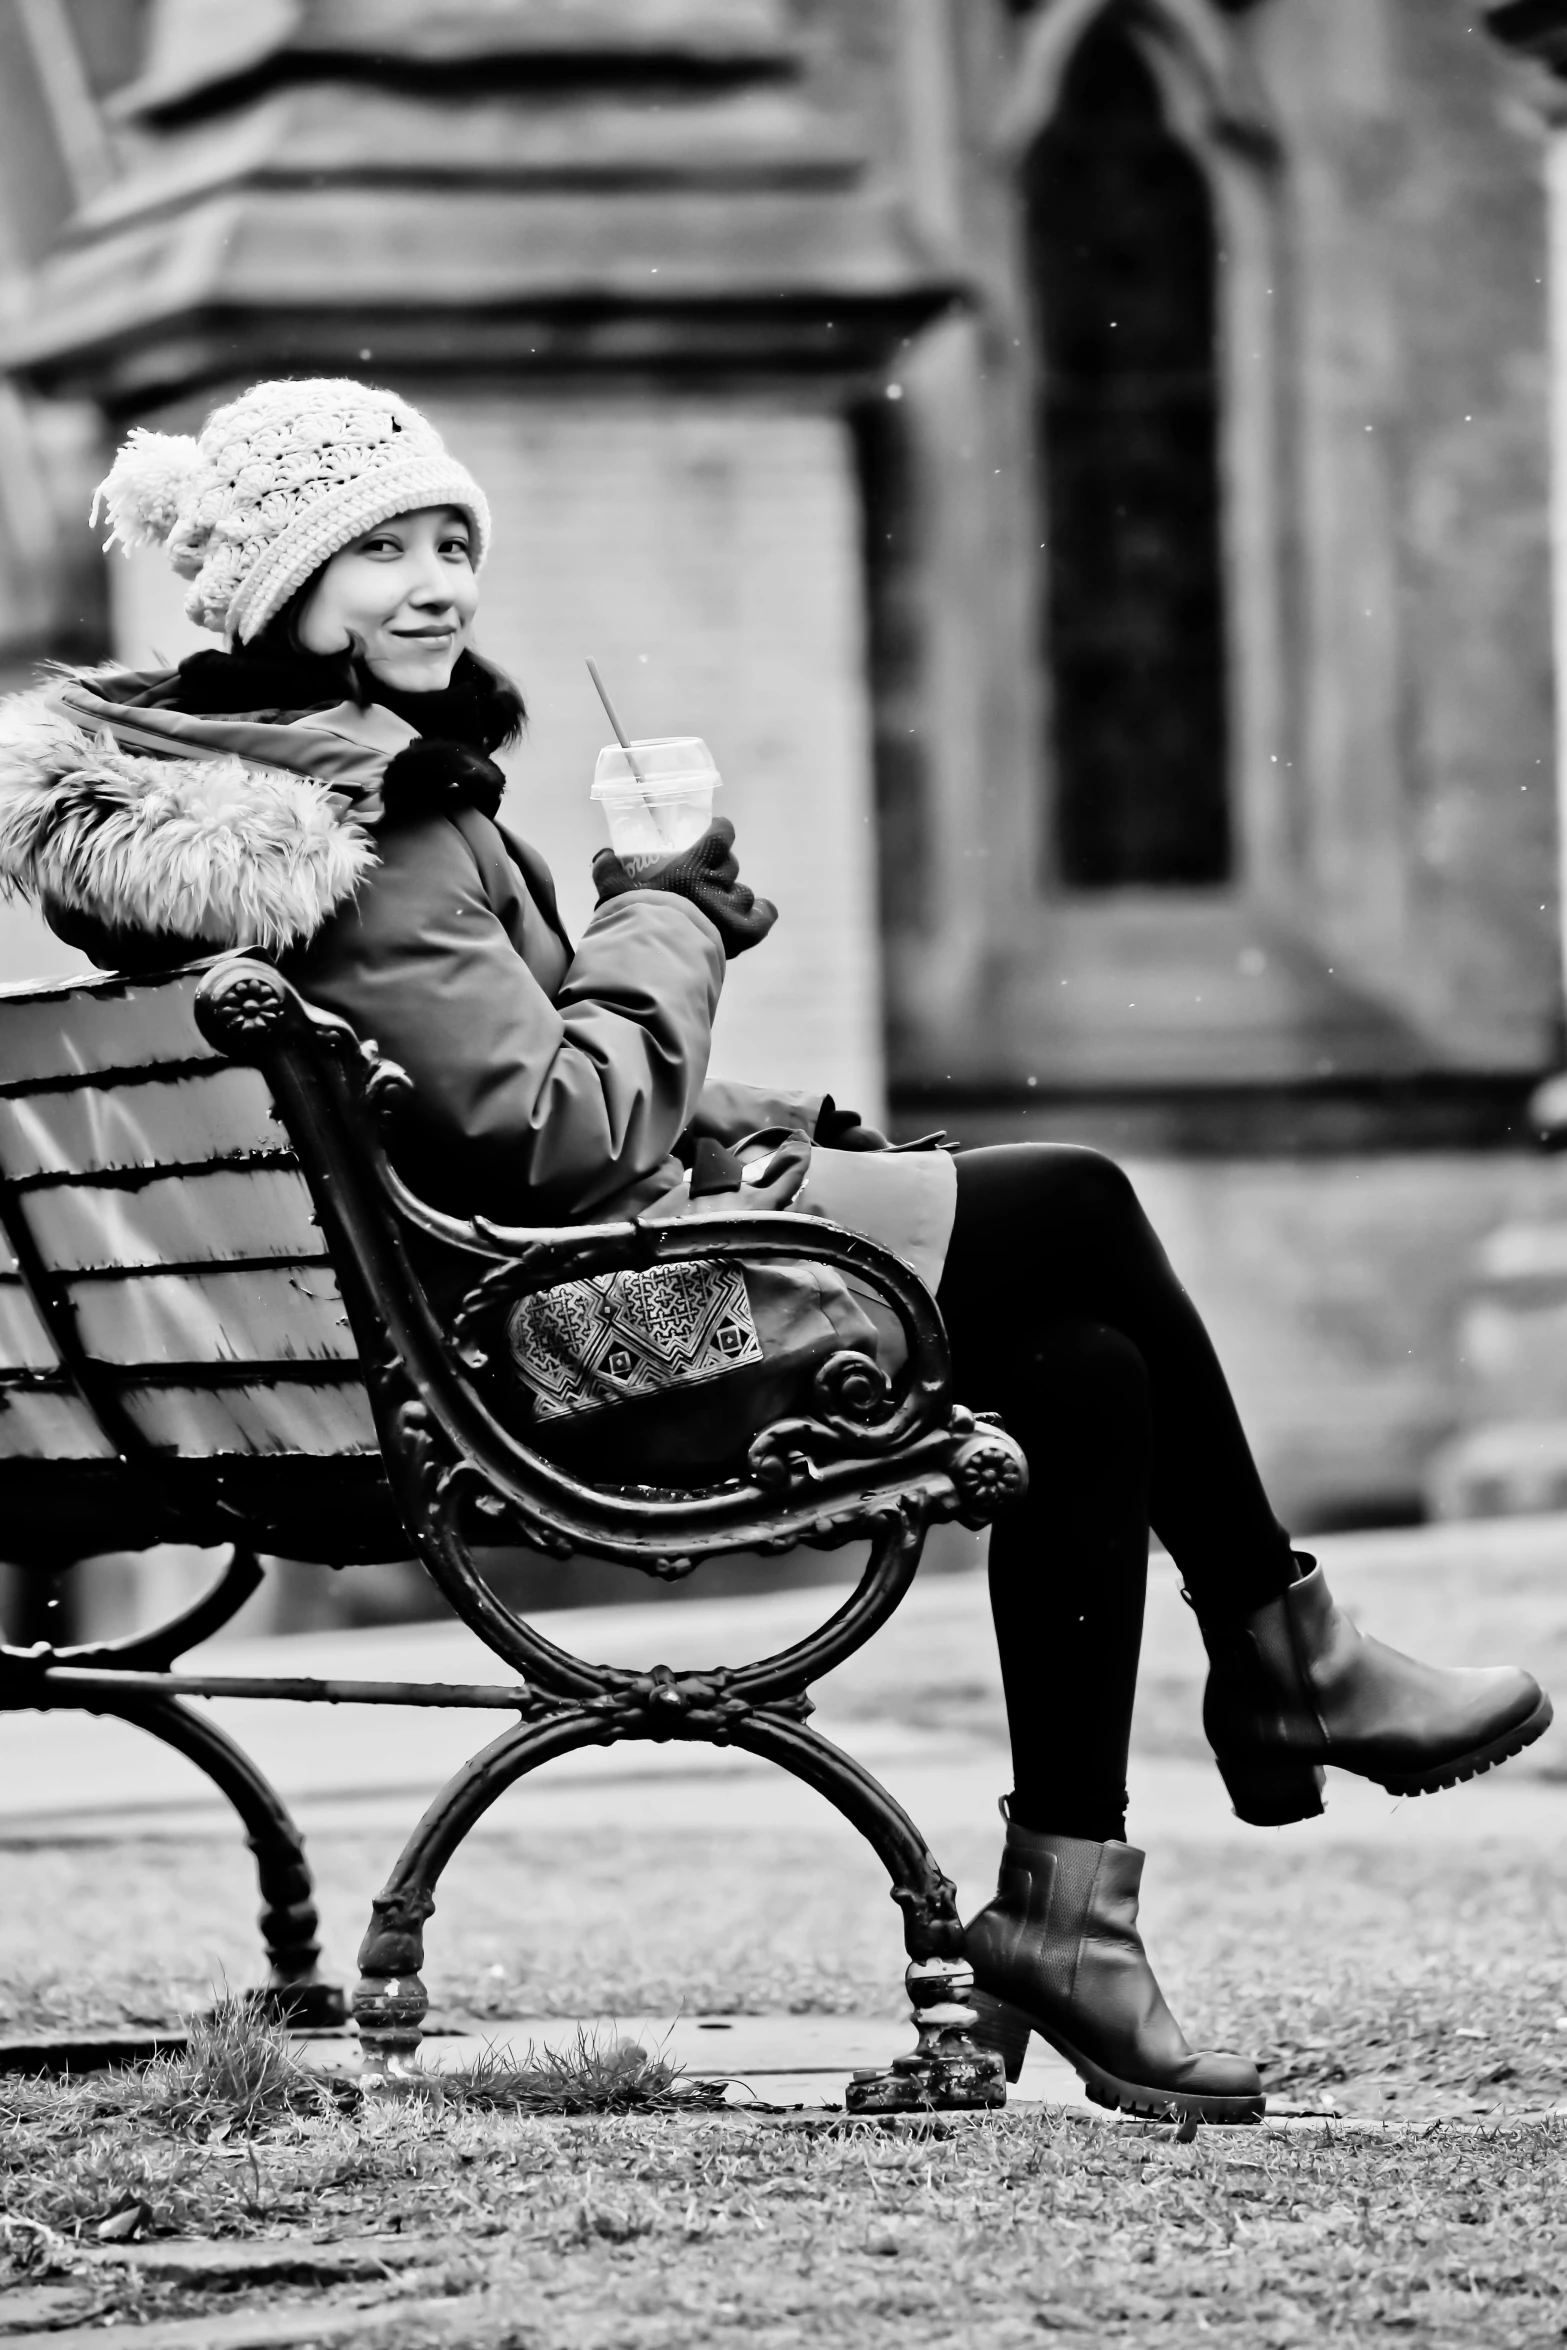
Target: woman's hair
{"points": [[479, 707]]}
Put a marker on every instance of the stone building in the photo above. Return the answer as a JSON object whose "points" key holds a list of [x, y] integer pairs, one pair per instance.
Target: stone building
{"points": [[1082, 463]]}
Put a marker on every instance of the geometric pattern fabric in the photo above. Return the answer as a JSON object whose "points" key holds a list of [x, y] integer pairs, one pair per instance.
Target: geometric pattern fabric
{"points": [[617, 1336]]}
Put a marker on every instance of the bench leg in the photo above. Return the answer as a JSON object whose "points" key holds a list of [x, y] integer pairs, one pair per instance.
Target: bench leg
{"points": [[390, 1999], [946, 2070], [294, 1991]]}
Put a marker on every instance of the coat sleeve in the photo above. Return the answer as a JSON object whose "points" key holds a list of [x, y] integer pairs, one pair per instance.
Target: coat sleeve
{"points": [[523, 1105], [726, 1110]]}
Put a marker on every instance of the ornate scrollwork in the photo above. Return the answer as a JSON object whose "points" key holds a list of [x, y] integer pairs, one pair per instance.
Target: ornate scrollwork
{"points": [[662, 1704], [239, 1005], [776, 1460], [988, 1473], [670, 1567], [851, 1386], [388, 1088], [416, 1453], [932, 1928]]}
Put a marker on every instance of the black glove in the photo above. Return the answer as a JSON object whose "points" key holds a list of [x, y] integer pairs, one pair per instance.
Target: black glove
{"points": [[841, 1130], [708, 875]]}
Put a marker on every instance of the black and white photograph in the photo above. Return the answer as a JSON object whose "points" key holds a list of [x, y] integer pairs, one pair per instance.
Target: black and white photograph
{"points": [[783, 1174]]}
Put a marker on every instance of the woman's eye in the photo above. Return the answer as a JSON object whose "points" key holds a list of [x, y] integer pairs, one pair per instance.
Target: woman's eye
{"points": [[380, 545], [457, 547]]}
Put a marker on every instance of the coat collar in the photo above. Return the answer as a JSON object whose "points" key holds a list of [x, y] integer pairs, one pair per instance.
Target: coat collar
{"points": [[124, 818], [345, 749]]}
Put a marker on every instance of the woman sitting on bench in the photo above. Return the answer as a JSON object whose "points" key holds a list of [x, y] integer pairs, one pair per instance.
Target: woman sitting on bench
{"points": [[324, 789]]}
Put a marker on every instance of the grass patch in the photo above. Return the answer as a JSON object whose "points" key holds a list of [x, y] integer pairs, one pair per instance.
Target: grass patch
{"points": [[238, 2073], [1394, 1980], [594, 2073], [663, 2232]]}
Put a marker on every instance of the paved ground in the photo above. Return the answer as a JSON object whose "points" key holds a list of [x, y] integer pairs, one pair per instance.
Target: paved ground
{"points": [[790, 2060], [920, 1706]]}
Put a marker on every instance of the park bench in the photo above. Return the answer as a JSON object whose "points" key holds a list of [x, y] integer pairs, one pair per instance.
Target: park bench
{"points": [[225, 1320]]}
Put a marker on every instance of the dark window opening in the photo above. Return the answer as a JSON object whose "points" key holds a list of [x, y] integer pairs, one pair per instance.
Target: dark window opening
{"points": [[1123, 264]]}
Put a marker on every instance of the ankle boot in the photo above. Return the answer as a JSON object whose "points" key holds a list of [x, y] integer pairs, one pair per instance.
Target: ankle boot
{"points": [[1294, 1686], [1058, 1953]]}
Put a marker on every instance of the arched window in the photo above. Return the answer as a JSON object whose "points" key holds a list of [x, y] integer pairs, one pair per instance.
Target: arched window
{"points": [[1122, 255]]}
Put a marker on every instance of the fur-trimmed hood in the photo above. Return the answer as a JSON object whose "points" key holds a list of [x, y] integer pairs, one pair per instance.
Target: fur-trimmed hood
{"points": [[121, 815]]}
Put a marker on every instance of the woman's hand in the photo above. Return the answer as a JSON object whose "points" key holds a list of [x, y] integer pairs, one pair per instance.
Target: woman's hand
{"points": [[707, 873]]}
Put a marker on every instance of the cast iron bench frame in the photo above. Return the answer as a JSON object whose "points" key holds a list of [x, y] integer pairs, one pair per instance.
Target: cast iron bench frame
{"points": [[862, 1462]]}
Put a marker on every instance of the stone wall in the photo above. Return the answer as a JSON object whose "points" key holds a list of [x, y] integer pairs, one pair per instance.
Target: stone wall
{"points": [[1378, 189], [1413, 176], [1337, 1291], [707, 553]]}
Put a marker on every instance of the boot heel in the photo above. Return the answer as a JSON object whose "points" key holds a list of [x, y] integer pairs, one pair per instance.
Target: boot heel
{"points": [[1269, 1794], [1002, 2027]]}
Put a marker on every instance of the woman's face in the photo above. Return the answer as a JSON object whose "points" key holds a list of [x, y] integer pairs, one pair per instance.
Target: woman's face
{"points": [[404, 593]]}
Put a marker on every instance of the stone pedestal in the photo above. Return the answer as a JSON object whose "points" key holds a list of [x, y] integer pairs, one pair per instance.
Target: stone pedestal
{"points": [[1509, 1455], [641, 266]]}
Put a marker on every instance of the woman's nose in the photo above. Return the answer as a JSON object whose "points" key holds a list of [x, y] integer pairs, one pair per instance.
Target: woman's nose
{"points": [[432, 589]]}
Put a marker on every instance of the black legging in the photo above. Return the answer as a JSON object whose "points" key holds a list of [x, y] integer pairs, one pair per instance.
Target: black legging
{"points": [[1065, 1317]]}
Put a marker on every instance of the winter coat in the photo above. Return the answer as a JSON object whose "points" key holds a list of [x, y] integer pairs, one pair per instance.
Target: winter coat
{"points": [[552, 1082]]}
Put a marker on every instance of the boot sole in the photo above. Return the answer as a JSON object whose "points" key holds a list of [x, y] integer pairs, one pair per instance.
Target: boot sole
{"points": [[1275, 1794], [1481, 1759], [1006, 2028]]}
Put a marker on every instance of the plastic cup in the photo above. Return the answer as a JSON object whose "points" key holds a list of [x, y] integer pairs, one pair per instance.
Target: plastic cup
{"points": [[657, 797]]}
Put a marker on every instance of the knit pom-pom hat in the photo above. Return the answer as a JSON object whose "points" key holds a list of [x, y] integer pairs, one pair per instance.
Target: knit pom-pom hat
{"points": [[278, 481]]}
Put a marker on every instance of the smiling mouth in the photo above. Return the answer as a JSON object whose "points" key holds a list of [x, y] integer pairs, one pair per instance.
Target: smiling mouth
{"points": [[424, 636]]}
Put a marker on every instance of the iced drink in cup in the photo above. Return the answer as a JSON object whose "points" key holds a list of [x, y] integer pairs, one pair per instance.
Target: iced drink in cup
{"points": [[657, 797]]}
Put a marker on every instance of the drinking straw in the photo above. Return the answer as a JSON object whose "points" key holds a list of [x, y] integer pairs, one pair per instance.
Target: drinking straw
{"points": [[613, 716]]}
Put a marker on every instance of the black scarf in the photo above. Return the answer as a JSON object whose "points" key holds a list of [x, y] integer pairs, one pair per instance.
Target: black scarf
{"points": [[478, 707], [459, 726]]}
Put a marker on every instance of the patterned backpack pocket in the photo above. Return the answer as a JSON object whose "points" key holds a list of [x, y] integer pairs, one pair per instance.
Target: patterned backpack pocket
{"points": [[644, 1375], [618, 1338]]}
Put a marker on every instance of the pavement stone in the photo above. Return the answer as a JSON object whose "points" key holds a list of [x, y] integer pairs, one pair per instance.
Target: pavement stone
{"points": [[267, 2329], [803, 2060], [252, 2260]]}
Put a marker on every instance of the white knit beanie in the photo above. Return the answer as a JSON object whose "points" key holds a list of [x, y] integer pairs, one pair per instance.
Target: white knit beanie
{"points": [[279, 481]]}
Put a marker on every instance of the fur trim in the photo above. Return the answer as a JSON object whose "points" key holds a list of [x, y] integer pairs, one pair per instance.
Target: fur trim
{"points": [[210, 850]]}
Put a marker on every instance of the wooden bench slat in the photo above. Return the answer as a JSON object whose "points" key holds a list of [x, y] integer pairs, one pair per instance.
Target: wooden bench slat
{"points": [[298, 1416], [200, 1218], [106, 1129], [25, 1345], [49, 1424], [94, 1026], [293, 1314]]}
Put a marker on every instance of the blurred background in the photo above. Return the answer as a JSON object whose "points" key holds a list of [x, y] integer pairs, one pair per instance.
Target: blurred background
{"points": [[1085, 466]]}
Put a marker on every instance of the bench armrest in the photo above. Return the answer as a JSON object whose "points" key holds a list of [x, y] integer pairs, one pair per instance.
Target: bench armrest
{"points": [[825, 1476]]}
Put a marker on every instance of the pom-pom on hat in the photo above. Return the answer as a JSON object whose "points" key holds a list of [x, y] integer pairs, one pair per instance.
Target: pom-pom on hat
{"points": [[278, 482]]}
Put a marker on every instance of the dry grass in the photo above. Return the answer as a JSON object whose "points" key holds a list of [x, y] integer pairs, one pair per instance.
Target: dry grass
{"points": [[585, 2071], [1389, 1979], [657, 2229], [1394, 1981], [654, 2232]]}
